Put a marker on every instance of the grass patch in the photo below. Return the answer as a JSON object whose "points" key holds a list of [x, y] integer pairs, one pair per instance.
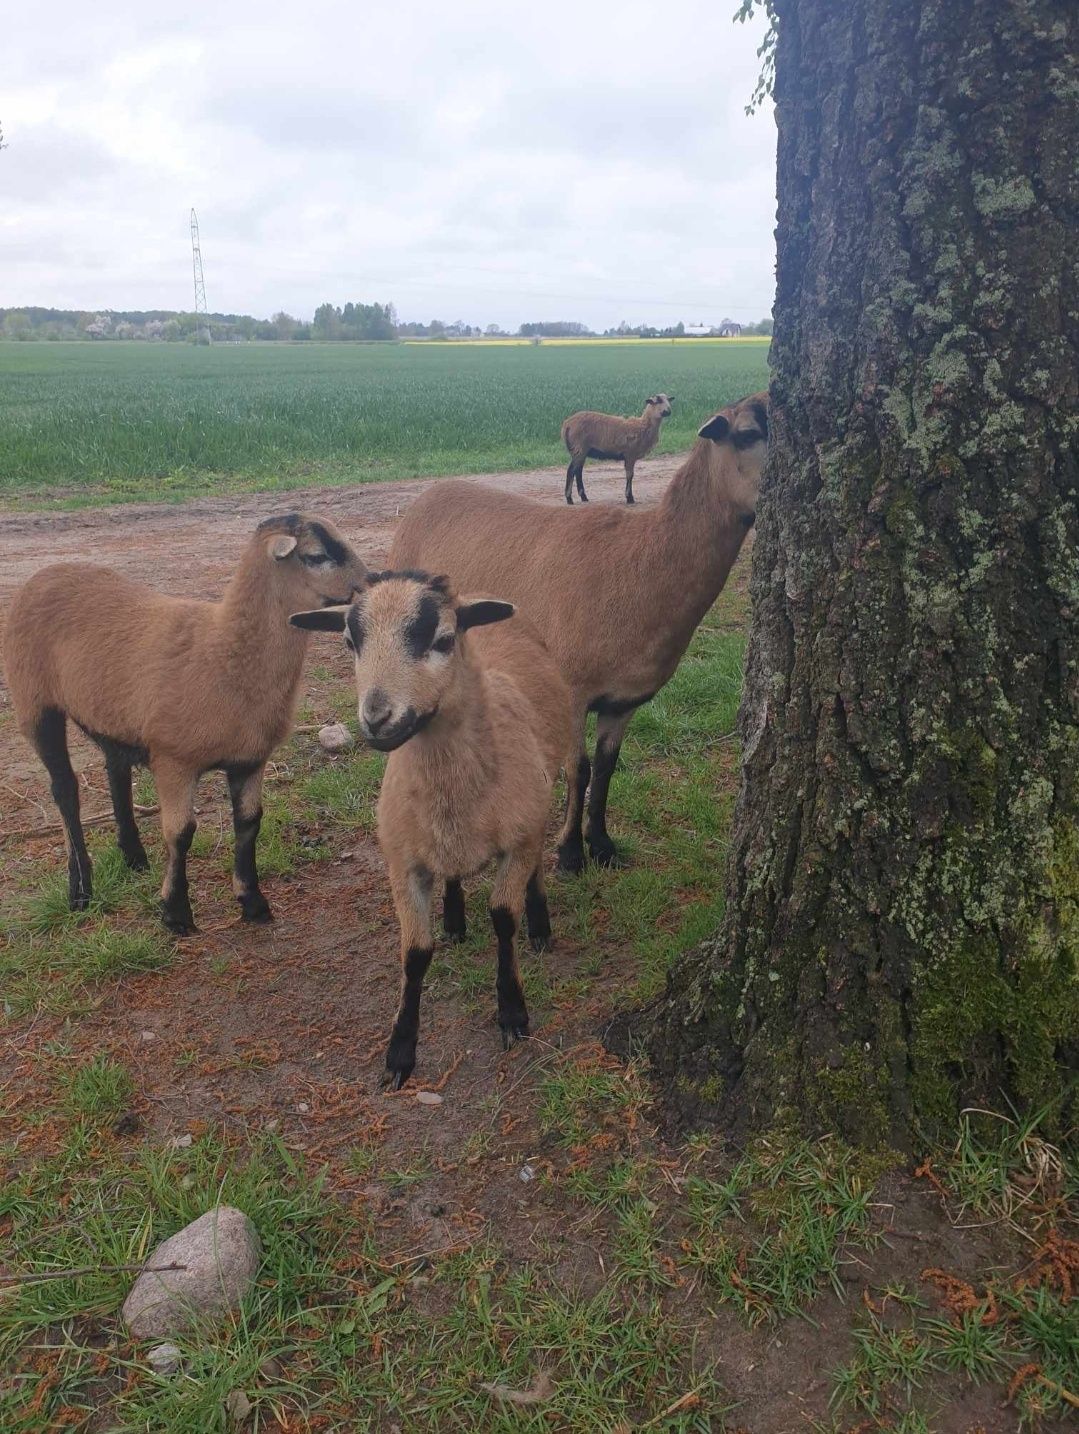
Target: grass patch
{"points": [[92, 423], [101, 1088]]}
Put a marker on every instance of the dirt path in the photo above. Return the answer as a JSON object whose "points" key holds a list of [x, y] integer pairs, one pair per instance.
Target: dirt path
{"points": [[191, 548]]}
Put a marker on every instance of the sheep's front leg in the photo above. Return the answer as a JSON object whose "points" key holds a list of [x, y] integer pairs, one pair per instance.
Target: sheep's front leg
{"points": [[609, 734], [176, 795], [631, 463], [412, 893], [578, 775], [245, 790], [507, 906]]}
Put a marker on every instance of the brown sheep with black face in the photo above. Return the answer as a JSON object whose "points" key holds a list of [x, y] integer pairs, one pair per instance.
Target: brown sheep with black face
{"points": [[604, 435], [181, 686], [617, 593], [476, 720]]}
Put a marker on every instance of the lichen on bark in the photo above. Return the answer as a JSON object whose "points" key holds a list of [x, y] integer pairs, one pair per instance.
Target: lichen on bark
{"points": [[901, 934]]}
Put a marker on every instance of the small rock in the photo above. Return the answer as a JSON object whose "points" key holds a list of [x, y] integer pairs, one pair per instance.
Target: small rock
{"points": [[526, 1173], [127, 1124], [335, 737], [302, 1107], [147, 1035], [272, 1125], [219, 1254], [164, 1358], [428, 1097], [238, 1406], [187, 1183], [271, 1368], [180, 1142]]}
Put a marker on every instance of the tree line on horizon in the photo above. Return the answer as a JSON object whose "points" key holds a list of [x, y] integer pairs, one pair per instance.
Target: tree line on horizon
{"points": [[352, 322]]}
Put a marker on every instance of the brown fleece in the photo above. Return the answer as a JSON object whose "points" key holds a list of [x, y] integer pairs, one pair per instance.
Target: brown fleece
{"points": [[186, 685], [604, 435], [617, 594], [483, 727]]}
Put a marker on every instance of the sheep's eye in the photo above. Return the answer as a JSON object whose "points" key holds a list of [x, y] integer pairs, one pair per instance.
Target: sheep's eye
{"points": [[746, 437], [312, 560], [443, 644]]}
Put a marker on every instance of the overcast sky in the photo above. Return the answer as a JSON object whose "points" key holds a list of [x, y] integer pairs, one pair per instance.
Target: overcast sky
{"points": [[487, 160]]}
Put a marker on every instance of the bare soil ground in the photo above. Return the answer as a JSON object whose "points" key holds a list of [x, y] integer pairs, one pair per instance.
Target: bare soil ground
{"points": [[287, 1024]]}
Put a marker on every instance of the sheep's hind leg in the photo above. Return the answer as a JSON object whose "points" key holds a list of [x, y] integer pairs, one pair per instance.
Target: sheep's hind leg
{"points": [[507, 905], [609, 733], [578, 775], [49, 736], [569, 481], [245, 790], [412, 892], [629, 481], [454, 924], [119, 765], [176, 794], [580, 481], [537, 914]]}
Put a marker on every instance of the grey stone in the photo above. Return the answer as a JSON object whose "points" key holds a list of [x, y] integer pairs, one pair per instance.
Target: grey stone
{"points": [[220, 1254], [164, 1358], [238, 1406], [335, 737]]}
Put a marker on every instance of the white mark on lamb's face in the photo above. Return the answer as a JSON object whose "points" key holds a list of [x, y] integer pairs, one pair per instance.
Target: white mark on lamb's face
{"points": [[404, 637]]}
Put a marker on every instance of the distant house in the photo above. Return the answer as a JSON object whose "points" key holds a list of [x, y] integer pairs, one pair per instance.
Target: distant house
{"points": [[728, 329], [699, 331]]}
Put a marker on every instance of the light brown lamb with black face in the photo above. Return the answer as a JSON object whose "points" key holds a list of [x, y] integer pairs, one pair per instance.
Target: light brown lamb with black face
{"points": [[185, 687], [604, 435], [477, 725], [617, 593]]}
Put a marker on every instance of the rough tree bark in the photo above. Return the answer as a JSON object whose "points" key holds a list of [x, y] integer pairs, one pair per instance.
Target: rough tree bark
{"points": [[902, 929]]}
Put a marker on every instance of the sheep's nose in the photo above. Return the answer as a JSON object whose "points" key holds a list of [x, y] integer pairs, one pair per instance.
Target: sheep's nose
{"points": [[376, 710]]}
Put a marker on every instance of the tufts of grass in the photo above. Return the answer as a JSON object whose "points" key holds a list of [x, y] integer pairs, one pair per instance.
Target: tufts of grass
{"points": [[54, 973], [45, 910], [98, 1089], [344, 792]]}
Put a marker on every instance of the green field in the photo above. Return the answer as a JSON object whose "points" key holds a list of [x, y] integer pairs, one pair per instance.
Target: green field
{"points": [[93, 423]]}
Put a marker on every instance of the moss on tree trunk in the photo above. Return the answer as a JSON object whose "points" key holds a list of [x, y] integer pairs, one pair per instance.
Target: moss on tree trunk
{"points": [[902, 930]]}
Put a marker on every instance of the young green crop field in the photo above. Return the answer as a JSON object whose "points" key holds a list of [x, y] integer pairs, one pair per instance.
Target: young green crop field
{"points": [[86, 423]]}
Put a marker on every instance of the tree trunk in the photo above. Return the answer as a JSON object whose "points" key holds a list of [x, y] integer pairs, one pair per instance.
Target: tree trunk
{"points": [[902, 929]]}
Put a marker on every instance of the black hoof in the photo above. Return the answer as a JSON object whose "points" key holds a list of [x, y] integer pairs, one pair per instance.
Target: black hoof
{"points": [[78, 900], [394, 1080], [570, 859], [631, 500], [541, 943], [135, 858], [583, 498], [180, 923], [256, 909], [512, 1033], [604, 853], [569, 500]]}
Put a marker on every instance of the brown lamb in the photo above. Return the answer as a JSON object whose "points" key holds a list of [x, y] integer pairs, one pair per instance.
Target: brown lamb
{"points": [[477, 725], [617, 594], [604, 435], [182, 686]]}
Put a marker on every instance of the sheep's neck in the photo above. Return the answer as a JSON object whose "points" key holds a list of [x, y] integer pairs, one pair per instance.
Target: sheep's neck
{"points": [[265, 652], [696, 536], [455, 753]]}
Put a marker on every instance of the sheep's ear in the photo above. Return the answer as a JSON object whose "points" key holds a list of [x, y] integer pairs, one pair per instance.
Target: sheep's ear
{"points": [[479, 614], [322, 619], [281, 545], [716, 428]]}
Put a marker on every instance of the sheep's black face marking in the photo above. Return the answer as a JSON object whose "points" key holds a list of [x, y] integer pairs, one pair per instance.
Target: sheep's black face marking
{"points": [[388, 739], [335, 551], [420, 629], [746, 437], [354, 629]]}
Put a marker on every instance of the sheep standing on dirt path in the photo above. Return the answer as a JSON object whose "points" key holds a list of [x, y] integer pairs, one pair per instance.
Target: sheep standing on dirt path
{"points": [[477, 725], [616, 594], [604, 435], [182, 686]]}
